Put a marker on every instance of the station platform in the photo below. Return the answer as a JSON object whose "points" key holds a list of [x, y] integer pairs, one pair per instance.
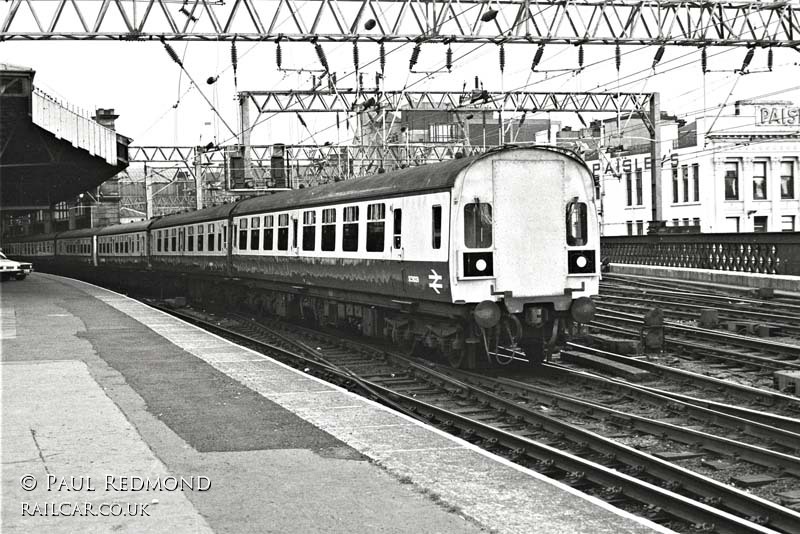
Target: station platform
{"points": [[119, 418], [782, 284]]}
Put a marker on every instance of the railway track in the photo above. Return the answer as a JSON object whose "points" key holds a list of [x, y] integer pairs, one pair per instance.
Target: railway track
{"points": [[701, 293], [749, 352], [653, 487], [695, 384]]}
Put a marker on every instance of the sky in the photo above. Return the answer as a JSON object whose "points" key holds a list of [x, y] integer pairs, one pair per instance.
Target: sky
{"points": [[158, 105]]}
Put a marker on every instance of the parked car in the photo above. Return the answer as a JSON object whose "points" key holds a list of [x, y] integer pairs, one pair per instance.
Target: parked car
{"points": [[16, 269]]}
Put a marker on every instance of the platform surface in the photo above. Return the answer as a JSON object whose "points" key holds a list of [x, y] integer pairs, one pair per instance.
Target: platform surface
{"points": [[100, 390]]}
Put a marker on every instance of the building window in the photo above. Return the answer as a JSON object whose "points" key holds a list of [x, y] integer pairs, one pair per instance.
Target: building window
{"points": [[190, 238], [629, 224], [376, 227], [759, 180], [676, 222], [787, 223], [732, 181], [350, 229], [329, 229], [696, 222], [685, 175], [760, 223], [243, 234], [696, 181], [283, 231], [436, 227], [675, 185], [629, 187], [686, 221], [398, 228], [787, 179], [639, 227], [309, 229], [732, 224], [255, 232], [639, 199], [269, 231]]}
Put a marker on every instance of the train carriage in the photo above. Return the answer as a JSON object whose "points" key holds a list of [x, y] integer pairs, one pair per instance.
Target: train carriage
{"points": [[485, 260]]}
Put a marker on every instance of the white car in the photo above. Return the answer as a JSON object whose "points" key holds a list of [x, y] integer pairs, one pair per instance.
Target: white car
{"points": [[10, 268]]}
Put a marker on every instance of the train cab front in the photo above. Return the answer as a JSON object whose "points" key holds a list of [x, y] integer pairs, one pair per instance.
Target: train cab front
{"points": [[528, 257]]}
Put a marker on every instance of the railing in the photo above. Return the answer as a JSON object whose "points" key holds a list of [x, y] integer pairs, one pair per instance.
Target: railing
{"points": [[766, 253], [81, 131]]}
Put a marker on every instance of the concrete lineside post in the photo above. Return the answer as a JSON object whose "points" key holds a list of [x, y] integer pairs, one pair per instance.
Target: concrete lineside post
{"points": [[198, 178], [655, 155], [148, 194]]}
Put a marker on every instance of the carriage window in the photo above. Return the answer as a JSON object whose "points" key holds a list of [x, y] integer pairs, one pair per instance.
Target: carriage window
{"points": [[576, 223], [174, 239], [294, 233], [478, 225], [436, 237], [269, 223], [200, 238], [283, 231], [210, 237], [223, 238], [350, 229], [242, 234], [376, 227], [398, 228], [126, 246], [158, 241], [329, 229], [255, 231], [309, 229], [190, 244]]}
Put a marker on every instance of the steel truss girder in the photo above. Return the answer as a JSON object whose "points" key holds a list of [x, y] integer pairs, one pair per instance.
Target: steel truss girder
{"points": [[350, 100], [316, 163], [675, 22]]}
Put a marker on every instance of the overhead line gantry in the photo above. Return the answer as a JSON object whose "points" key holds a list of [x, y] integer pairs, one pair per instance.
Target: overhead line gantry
{"points": [[687, 23]]}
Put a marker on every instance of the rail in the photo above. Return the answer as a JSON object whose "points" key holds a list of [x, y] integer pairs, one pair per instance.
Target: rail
{"points": [[765, 253], [79, 130]]}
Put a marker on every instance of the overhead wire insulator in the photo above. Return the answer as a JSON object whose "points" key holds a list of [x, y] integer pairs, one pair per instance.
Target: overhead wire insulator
{"points": [[580, 56], [234, 62], [278, 55], [769, 59], [355, 55], [414, 55], [172, 53], [502, 58], [659, 55], [321, 55], [361, 81], [382, 57], [618, 57], [704, 60], [537, 57], [302, 121], [448, 58], [747, 59]]}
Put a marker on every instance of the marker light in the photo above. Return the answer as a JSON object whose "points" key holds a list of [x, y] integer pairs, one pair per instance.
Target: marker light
{"points": [[480, 265], [581, 261]]}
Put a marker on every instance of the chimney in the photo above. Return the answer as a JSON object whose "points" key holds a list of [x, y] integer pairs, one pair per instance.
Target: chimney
{"points": [[105, 117]]}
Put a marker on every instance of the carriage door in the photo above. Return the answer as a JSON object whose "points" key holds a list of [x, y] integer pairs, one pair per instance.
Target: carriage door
{"points": [[529, 227]]}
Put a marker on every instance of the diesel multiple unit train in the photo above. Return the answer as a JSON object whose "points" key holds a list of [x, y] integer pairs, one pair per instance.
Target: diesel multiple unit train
{"points": [[484, 260]]}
